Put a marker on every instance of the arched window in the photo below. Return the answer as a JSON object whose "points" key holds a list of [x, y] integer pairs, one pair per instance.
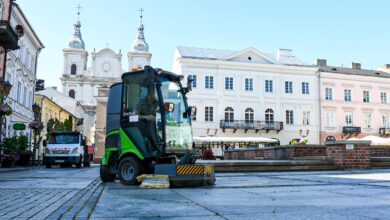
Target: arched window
{"points": [[72, 93], [73, 69], [229, 114], [249, 115], [269, 116]]}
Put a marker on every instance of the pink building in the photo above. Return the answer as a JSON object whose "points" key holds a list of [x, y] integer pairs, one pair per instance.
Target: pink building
{"points": [[353, 102]]}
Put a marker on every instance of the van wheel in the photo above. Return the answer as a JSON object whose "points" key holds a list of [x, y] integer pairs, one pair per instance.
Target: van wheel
{"points": [[80, 163], [105, 174], [129, 169]]}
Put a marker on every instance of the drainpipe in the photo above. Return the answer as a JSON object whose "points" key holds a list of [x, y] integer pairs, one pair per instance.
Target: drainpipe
{"points": [[319, 104]]}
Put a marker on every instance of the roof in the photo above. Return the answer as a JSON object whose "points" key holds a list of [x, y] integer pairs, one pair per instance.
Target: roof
{"points": [[215, 54], [352, 71]]}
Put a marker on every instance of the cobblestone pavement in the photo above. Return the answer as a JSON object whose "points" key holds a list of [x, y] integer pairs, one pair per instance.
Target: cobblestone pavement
{"points": [[57, 193], [279, 195], [72, 193]]}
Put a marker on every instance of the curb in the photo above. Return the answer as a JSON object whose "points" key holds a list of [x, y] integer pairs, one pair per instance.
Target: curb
{"points": [[16, 169]]}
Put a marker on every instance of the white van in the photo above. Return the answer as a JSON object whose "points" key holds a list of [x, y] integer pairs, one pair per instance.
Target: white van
{"points": [[64, 148]]}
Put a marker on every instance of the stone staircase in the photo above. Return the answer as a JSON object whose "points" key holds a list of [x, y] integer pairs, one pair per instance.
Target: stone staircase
{"points": [[269, 165], [380, 162]]}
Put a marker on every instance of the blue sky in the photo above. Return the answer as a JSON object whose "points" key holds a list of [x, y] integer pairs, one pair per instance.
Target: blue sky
{"points": [[339, 31]]}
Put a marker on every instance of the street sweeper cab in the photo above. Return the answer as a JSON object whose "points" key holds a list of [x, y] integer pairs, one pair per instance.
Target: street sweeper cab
{"points": [[148, 126]]}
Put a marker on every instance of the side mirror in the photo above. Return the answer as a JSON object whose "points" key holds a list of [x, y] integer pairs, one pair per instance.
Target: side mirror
{"points": [[169, 107], [44, 143], [192, 111]]}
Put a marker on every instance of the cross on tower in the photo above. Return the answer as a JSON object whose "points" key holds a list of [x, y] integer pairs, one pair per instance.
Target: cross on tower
{"points": [[78, 11], [141, 10]]}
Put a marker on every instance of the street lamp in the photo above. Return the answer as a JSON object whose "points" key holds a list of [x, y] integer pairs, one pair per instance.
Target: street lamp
{"points": [[305, 134], [36, 125]]}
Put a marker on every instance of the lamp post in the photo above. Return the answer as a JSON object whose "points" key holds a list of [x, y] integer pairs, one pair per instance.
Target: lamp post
{"points": [[37, 126], [5, 109]]}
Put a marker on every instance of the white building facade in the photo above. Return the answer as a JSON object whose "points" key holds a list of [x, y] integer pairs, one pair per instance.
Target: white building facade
{"points": [[82, 82], [21, 73], [250, 93]]}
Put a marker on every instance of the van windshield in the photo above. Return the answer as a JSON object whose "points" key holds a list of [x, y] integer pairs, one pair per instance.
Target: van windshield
{"points": [[64, 139]]}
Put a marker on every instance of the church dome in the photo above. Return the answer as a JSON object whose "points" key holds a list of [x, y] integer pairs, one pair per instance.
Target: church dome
{"points": [[140, 44], [76, 41]]}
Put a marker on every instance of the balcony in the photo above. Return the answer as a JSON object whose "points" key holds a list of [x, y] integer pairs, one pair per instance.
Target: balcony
{"points": [[352, 130], [384, 132], [251, 125], [8, 37]]}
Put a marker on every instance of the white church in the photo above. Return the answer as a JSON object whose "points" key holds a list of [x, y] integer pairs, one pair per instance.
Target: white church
{"points": [[81, 80]]}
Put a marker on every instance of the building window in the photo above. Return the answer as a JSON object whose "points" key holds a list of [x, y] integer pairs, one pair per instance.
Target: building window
{"points": [[347, 95], [269, 86], [25, 98], [269, 116], [249, 116], [72, 93], [328, 94], [248, 84], [383, 97], [208, 114], [306, 118], [229, 114], [209, 82], [329, 119], [229, 83], [366, 96], [367, 120], [289, 117], [288, 87], [305, 88], [385, 121], [348, 119], [73, 69], [19, 92], [194, 81]]}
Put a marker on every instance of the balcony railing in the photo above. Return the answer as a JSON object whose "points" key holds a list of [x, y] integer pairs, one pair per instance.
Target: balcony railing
{"points": [[8, 37], [352, 130], [251, 125], [384, 132]]}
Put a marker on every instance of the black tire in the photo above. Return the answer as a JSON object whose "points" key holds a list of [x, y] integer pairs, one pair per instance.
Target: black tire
{"points": [[87, 164], [48, 165], [105, 174], [80, 163], [129, 169]]}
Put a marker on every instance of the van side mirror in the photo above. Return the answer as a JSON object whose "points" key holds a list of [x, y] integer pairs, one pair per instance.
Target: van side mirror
{"points": [[44, 143], [169, 107]]}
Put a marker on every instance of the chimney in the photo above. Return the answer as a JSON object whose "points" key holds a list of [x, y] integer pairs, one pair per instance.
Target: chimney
{"points": [[321, 62], [54, 87], [387, 66], [284, 53], [356, 66]]}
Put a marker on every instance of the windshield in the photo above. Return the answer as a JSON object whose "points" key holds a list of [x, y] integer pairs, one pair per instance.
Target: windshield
{"points": [[178, 124], [64, 139]]}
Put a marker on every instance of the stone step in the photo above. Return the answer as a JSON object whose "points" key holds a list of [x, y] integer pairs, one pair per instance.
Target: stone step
{"points": [[271, 168], [268, 165], [380, 159], [310, 158]]}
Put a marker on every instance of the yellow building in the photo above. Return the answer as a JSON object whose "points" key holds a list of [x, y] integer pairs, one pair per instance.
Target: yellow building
{"points": [[52, 110]]}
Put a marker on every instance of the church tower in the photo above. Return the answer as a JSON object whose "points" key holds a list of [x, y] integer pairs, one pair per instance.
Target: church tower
{"points": [[75, 62], [139, 55]]}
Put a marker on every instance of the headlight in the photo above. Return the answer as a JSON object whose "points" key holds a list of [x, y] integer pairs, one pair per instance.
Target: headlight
{"points": [[47, 151], [75, 151]]}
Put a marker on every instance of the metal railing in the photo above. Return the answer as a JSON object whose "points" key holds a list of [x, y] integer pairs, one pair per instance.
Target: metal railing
{"points": [[251, 125], [351, 130]]}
